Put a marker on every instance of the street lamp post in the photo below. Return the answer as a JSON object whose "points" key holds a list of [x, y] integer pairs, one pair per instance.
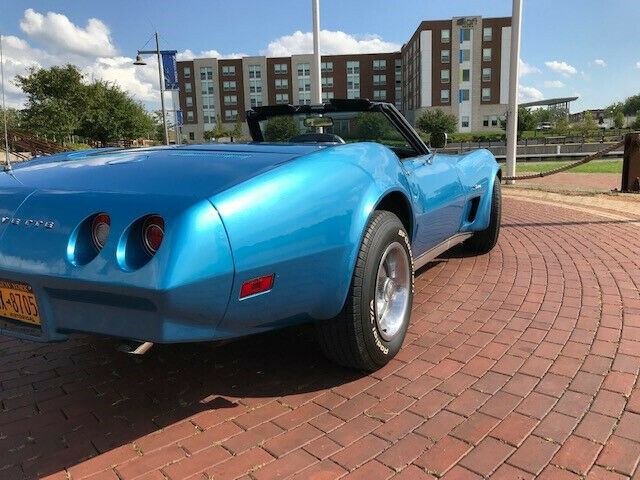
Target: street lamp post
{"points": [[7, 163], [512, 114], [139, 61], [316, 84]]}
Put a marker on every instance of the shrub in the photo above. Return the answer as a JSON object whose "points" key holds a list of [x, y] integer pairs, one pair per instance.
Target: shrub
{"points": [[436, 120]]}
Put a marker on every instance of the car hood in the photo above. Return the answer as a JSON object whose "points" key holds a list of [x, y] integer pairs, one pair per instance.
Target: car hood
{"points": [[199, 171]]}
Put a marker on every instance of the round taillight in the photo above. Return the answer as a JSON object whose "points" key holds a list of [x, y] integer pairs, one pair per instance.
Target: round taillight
{"points": [[152, 234], [100, 230]]}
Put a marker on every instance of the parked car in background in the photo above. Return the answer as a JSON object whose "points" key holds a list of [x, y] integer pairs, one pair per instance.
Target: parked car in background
{"points": [[199, 243]]}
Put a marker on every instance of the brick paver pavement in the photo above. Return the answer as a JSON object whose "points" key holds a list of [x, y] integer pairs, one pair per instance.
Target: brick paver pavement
{"points": [[520, 363]]}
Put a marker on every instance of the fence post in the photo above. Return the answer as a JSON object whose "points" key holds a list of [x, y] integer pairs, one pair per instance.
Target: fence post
{"points": [[631, 163]]}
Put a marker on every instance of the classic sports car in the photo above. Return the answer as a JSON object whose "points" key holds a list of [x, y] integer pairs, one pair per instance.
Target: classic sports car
{"points": [[200, 243]]}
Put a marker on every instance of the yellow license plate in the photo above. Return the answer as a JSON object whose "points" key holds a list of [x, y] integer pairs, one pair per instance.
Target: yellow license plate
{"points": [[18, 302]]}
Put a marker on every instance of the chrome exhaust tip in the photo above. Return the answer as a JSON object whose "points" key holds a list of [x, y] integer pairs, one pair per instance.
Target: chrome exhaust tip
{"points": [[135, 348]]}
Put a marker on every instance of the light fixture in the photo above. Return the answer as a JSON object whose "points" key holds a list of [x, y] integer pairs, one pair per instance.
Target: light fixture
{"points": [[139, 60]]}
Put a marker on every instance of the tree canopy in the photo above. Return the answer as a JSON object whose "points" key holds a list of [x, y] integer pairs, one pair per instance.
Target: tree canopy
{"points": [[437, 121], [280, 128], [61, 103], [371, 126]]}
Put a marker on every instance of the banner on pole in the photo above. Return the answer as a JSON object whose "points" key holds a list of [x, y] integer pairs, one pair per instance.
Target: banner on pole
{"points": [[170, 69]]}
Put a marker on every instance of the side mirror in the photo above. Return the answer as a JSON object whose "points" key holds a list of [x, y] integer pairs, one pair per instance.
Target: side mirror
{"points": [[438, 140]]}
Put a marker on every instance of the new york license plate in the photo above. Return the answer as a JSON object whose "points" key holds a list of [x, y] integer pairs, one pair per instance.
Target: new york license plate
{"points": [[18, 302]]}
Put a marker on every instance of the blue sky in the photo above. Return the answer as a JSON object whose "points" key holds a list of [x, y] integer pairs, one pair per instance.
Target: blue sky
{"points": [[583, 47]]}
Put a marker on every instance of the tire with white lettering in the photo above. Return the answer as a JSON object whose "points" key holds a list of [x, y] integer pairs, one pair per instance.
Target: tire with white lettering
{"points": [[374, 321], [484, 240]]}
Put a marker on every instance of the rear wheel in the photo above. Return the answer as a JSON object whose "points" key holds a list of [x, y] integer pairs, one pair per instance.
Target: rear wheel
{"points": [[374, 321], [484, 240]]}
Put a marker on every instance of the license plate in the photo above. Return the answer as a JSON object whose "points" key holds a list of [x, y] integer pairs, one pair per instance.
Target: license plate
{"points": [[18, 302]]}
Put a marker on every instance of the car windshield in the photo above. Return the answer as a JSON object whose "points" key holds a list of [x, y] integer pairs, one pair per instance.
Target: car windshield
{"points": [[348, 126]]}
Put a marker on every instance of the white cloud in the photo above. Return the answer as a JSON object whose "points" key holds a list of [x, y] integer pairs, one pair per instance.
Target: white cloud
{"points": [[562, 68], [526, 69], [637, 64], [599, 62], [331, 43], [57, 31], [529, 94], [554, 84], [190, 55]]}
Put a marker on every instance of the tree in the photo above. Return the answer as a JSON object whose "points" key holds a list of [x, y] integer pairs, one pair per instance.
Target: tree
{"points": [[110, 114], [588, 123], [14, 118], [526, 120], [618, 119], [636, 124], [237, 132], [371, 126], [54, 98], [631, 105], [562, 126], [216, 132], [280, 128], [437, 121]]}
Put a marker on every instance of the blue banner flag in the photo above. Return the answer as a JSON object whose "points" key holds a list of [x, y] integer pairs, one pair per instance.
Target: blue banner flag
{"points": [[179, 117], [170, 69]]}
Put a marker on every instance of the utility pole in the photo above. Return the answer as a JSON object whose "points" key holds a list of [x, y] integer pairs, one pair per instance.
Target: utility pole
{"points": [[139, 61], [316, 82], [7, 163], [512, 112]]}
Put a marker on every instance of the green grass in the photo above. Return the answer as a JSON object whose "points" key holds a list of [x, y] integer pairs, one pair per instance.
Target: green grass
{"points": [[598, 166]]}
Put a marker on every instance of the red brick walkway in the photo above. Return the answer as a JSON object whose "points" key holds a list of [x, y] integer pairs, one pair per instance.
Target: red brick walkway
{"points": [[519, 363]]}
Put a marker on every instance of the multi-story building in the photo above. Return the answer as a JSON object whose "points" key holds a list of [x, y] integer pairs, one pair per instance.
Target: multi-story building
{"points": [[459, 65]]}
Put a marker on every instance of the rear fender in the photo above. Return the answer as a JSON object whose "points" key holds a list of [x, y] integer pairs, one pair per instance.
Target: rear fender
{"points": [[303, 222], [478, 171]]}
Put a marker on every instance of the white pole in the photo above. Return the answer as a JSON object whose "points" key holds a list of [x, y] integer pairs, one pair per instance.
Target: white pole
{"points": [[316, 80], [512, 112], [7, 164]]}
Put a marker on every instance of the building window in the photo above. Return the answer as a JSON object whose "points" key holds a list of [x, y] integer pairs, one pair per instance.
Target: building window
{"points": [[206, 73], [487, 34], [444, 76], [255, 99], [327, 82], [254, 71], [379, 79], [186, 71], [304, 84], [206, 87], [466, 74], [486, 74], [486, 54], [464, 94], [282, 98], [353, 79], [445, 56], [280, 68], [229, 85], [304, 98], [192, 136], [327, 96], [207, 103], [187, 87], [444, 96], [486, 94], [282, 83], [465, 55], [379, 94], [209, 118], [189, 101], [230, 114], [230, 99], [485, 121], [445, 36], [494, 120], [326, 66], [190, 115], [255, 86], [464, 122], [465, 34], [304, 69], [379, 64], [228, 70]]}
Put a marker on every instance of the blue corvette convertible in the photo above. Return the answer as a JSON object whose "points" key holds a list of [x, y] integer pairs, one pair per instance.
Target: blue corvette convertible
{"points": [[323, 218]]}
